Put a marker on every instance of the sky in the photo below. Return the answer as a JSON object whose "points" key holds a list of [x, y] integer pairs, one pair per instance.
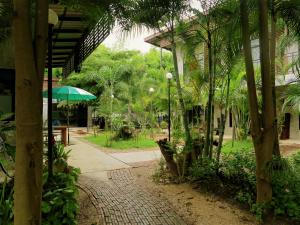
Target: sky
{"points": [[133, 41]]}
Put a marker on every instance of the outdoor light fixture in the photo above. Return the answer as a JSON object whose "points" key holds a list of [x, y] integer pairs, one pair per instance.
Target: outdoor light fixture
{"points": [[151, 90], [169, 77]]}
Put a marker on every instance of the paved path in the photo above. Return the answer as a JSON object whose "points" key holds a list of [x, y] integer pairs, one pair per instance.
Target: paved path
{"points": [[118, 199], [135, 157]]}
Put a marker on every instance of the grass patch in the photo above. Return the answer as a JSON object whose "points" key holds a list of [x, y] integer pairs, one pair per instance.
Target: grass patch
{"points": [[103, 140], [236, 146]]}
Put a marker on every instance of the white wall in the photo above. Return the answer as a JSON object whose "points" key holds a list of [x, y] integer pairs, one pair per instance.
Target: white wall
{"points": [[294, 126]]}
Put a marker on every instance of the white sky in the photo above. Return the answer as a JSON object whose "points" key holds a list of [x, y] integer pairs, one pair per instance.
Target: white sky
{"points": [[135, 40], [132, 41]]}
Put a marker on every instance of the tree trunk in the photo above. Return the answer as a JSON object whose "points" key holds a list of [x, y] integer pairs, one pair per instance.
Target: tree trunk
{"points": [[29, 64], [181, 102], [269, 121], [168, 153], [261, 141], [223, 120], [276, 149], [210, 98]]}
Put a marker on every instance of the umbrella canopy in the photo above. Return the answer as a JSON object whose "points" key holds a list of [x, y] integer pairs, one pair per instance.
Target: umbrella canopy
{"points": [[70, 93]]}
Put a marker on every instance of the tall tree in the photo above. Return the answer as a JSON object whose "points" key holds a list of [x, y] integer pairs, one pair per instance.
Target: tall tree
{"points": [[263, 137], [30, 52], [162, 16]]}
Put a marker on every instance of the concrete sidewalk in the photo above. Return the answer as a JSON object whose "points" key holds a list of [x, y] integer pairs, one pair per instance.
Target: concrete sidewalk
{"points": [[91, 160], [135, 157]]}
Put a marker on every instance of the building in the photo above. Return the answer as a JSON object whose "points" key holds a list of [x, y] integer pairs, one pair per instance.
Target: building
{"points": [[290, 120], [73, 40]]}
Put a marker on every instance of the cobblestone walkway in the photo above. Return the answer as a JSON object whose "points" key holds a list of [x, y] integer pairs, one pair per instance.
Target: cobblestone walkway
{"points": [[121, 201]]}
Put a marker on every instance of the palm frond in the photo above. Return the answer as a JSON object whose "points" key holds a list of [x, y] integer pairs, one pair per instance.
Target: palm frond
{"points": [[289, 11]]}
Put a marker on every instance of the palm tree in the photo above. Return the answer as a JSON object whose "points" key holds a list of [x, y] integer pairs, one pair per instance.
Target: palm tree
{"points": [[292, 97], [162, 16]]}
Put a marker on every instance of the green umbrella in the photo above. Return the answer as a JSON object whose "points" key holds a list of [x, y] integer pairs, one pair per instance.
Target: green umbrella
{"points": [[69, 93]]}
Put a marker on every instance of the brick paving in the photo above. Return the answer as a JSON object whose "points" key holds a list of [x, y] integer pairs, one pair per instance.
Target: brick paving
{"points": [[121, 201]]}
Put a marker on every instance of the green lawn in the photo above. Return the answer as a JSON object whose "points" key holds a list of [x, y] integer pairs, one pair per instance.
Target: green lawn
{"points": [[103, 140], [244, 145]]}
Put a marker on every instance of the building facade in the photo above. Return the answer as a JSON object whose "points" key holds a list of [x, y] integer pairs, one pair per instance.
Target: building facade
{"points": [[289, 119]]}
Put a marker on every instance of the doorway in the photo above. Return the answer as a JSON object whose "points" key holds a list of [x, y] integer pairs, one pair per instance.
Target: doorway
{"points": [[285, 133]]}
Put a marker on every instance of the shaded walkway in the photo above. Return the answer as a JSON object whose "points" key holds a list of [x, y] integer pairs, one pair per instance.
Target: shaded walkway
{"points": [[111, 188]]}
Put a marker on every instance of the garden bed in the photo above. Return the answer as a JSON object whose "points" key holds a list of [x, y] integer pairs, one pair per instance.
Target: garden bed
{"points": [[137, 143]]}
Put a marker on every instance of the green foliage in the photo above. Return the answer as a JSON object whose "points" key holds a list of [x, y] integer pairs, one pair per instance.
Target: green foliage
{"points": [[60, 157], [286, 188], [235, 146], [237, 173], [6, 203], [238, 169], [121, 80], [164, 125], [7, 143], [203, 170], [6, 13], [160, 172], [59, 204], [117, 122], [139, 142]]}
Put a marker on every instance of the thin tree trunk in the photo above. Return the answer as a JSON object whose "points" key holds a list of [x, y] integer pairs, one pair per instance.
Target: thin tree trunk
{"points": [[264, 189], [276, 149], [210, 98], [264, 156], [223, 120], [181, 102], [29, 64]]}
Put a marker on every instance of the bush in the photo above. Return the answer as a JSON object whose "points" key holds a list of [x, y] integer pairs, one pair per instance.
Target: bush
{"points": [[237, 173], [286, 189], [238, 169], [203, 170], [59, 204], [6, 203], [163, 125]]}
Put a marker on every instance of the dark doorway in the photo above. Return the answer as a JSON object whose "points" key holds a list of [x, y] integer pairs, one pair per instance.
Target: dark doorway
{"points": [[285, 133]]}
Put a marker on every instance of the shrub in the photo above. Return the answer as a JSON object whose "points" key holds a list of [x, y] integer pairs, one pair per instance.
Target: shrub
{"points": [[286, 189], [60, 157], [59, 204], [6, 203], [203, 170], [163, 125], [238, 169]]}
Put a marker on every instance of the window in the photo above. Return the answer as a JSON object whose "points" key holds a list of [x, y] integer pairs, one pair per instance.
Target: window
{"points": [[201, 60], [292, 53]]}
